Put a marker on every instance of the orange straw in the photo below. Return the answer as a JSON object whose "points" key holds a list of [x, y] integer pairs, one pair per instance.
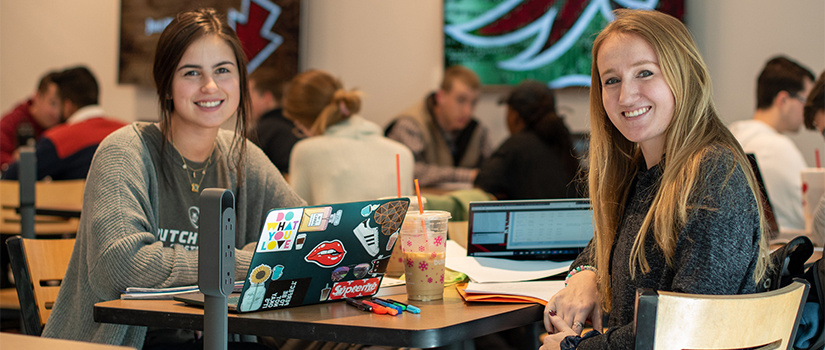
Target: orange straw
{"points": [[398, 174], [420, 207], [418, 193], [816, 150]]}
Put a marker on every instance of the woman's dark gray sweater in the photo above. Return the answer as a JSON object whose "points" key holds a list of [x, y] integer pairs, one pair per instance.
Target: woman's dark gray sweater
{"points": [[716, 251]]}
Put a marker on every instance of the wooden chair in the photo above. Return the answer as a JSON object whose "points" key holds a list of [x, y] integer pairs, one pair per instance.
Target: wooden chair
{"points": [[38, 266], [62, 199], [667, 320]]}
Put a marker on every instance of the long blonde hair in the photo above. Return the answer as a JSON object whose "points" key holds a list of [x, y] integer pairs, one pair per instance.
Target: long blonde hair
{"points": [[317, 100], [694, 126]]}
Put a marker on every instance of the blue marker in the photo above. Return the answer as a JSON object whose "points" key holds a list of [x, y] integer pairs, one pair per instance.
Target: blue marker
{"points": [[407, 307], [388, 305]]}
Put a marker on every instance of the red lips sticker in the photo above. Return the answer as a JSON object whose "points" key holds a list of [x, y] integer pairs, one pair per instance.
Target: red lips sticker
{"points": [[327, 253]]}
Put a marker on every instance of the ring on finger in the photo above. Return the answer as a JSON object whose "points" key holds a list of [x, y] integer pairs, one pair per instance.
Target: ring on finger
{"points": [[578, 325], [551, 312]]}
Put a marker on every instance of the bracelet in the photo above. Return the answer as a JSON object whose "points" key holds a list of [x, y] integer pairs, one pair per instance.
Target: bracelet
{"points": [[577, 270]]}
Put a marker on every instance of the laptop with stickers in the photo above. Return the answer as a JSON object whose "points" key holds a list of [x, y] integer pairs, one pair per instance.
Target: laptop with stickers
{"points": [[316, 254]]}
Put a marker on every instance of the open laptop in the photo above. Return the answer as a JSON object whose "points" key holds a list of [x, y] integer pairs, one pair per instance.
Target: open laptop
{"points": [[546, 229], [314, 254], [767, 208]]}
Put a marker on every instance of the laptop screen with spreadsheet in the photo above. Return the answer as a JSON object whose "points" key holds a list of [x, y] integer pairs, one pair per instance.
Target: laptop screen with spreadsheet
{"points": [[552, 229]]}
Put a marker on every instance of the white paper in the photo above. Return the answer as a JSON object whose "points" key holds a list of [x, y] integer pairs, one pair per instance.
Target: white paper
{"points": [[537, 289], [484, 270]]}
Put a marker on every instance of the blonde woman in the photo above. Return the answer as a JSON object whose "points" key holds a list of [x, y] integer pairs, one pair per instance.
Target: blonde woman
{"points": [[345, 157], [675, 205]]}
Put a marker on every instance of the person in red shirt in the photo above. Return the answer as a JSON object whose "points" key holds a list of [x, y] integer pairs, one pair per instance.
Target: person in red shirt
{"points": [[30, 118], [65, 152]]}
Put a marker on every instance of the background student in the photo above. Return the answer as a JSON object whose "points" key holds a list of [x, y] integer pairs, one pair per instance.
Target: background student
{"points": [[146, 179], [65, 152], [675, 205], [815, 120], [781, 90], [273, 133], [30, 118], [345, 157], [448, 143], [537, 160]]}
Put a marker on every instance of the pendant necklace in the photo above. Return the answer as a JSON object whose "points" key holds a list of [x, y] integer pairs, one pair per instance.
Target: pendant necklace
{"points": [[195, 187]]}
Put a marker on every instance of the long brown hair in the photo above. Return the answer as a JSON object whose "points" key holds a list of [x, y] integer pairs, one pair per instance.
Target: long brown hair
{"points": [[317, 100], [694, 126], [186, 28]]}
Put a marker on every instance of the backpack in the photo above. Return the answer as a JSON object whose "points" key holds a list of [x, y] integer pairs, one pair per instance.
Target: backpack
{"points": [[789, 263]]}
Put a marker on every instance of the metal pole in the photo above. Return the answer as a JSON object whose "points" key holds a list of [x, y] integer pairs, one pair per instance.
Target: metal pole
{"points": [[28, 178]]}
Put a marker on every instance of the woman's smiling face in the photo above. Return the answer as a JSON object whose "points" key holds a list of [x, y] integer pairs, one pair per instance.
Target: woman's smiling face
{"points": [[636, 96], [206, 85]]}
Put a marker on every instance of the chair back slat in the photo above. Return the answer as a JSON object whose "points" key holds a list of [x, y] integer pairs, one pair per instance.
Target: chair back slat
{"points": [[61, 195], [688, 321], [47, 260]]}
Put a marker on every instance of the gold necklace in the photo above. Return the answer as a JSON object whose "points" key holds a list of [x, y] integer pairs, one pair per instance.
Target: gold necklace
{"points": [[195, 187]]}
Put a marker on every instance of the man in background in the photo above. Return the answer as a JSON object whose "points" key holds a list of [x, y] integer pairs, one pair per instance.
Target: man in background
{"points": [[781, 91], [447, 142], [29, 119], [65, 151], [273, 133]]}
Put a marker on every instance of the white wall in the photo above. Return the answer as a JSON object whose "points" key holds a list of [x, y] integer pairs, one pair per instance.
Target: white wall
{"points": [[391, 50]]}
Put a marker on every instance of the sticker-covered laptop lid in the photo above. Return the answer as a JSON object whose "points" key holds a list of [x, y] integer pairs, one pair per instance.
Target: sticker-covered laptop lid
{"points": [[322, 253]]}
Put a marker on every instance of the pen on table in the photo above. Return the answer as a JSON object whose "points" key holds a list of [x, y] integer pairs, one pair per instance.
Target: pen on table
{"points": [[402, 306], [407, 307], [387, 304], [378, 309], [358, 304]]}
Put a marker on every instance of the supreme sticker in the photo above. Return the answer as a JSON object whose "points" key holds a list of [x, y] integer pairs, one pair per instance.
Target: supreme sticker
{"points": [[355, 288]]}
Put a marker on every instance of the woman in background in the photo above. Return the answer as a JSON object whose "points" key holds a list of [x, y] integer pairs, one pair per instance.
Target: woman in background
{"points": [[537, 160], [140, 215], [344, 157], [675, 204]]}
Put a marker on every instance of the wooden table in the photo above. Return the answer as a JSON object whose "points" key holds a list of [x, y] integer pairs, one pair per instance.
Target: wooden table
{"points": [[24, 342], [440, 323]]}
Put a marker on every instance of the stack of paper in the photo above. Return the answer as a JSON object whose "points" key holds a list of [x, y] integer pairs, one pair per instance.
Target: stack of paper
{"points": [[163, 293], [505, 280], [485, 270]]}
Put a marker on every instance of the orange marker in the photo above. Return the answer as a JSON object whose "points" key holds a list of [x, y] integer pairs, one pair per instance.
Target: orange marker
{"points": [[378, 309]]}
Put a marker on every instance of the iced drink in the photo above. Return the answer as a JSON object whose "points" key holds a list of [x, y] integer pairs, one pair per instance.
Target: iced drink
{"points": [[813, 187], [423, 243]]}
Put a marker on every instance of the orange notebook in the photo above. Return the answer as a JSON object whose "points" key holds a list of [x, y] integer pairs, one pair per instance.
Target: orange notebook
{"points": [[510, 292]]}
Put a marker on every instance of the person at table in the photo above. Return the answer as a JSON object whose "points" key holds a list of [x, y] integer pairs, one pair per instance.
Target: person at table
{"points": [[139, 225], [29, 119], [781, 90], [814, 115], [675, 204], [537, 160], [273, 133], [448, 143], [65, 151], [345, 157]]}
